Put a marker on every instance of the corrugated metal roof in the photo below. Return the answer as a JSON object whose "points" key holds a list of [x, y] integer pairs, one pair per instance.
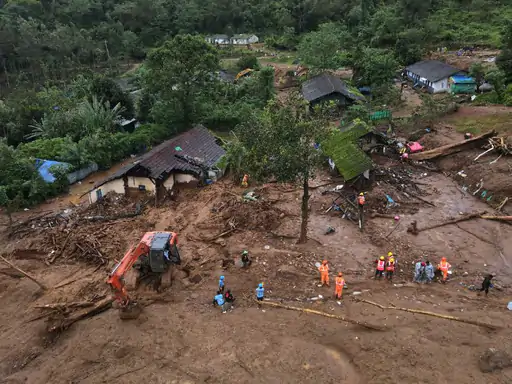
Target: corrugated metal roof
{"points": [[197, 144], [433, 70], [325, 84]]}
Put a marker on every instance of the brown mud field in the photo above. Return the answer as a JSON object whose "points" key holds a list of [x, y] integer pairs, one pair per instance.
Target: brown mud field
{"points": [[181, 338]]}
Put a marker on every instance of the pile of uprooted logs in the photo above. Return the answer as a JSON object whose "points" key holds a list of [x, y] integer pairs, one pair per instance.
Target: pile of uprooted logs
{"points": [[501, 145]]}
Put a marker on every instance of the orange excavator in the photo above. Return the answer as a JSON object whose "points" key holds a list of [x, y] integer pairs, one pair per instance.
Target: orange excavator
{"points": [[149, 260]]}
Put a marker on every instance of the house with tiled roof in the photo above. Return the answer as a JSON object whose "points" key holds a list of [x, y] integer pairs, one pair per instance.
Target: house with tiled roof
{"points": [[432, 74], [327, 87], [189, 158]]}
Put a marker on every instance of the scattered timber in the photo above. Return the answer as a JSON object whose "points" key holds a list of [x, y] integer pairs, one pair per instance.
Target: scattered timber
{"points": [[312, 311], [433, 314], [97, 308], [450, 149], [41, 285]]}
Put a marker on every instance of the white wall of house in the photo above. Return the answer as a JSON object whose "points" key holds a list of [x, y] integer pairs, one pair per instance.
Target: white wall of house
{"points": [[134, 182], [169, 182], [440, 86], [437, 87], [183, 178], [244, 40], [116, 186]]}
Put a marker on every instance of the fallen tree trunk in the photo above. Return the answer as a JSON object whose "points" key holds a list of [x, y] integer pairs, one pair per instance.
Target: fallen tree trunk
{"points": [[450, 148], [74, 304], [98, 307], [306, 310], [438, 315], [41, 285], [500, 218], [417, 230]]}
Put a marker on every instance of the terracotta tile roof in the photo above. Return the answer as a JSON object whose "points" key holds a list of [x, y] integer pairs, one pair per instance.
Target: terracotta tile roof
{"points": [[185, 153]]}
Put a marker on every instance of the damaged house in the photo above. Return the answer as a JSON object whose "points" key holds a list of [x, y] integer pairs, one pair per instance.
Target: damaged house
{"points": [[347, 154], [188, 159]]}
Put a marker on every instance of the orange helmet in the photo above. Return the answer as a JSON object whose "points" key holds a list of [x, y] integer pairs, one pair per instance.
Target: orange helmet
{"points": [[340, 274], [443, 259], [324, 262]]}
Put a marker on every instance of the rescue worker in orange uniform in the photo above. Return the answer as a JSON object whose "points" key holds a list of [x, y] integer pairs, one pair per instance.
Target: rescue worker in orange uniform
{"points": [[390, 267], [444, 266], [324, 273], [381, 263], [340, 283], [360, 199], [245, 181]]}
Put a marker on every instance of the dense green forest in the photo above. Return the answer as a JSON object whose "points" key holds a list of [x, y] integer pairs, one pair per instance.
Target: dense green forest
{"points": [[60, 59]]}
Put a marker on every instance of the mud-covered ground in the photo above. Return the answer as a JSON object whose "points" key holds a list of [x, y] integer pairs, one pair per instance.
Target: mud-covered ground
{"points": [[181, 338]]}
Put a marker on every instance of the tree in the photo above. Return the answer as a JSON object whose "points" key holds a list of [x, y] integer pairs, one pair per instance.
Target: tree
{"points": [[504, 59], [374, 67], [106, 89], [322, 49], [248, 61], [409, 46], [279, 143], [497, 79], [477, 72], [180, 72]]}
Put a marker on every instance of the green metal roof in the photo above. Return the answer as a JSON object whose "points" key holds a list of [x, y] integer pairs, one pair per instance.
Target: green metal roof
{"points": [[349, 158]]}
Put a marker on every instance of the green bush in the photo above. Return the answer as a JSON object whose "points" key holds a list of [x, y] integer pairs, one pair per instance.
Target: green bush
{"points": [[248, 61]]}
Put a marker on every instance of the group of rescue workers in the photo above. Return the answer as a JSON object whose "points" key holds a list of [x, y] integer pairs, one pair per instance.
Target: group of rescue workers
{"points": [[224, 298]]}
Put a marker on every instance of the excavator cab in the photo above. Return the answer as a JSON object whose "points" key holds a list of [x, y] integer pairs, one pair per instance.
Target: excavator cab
{"points": [[163, 252]]}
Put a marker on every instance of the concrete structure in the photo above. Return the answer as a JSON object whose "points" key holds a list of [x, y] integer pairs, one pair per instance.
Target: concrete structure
{"points": [[244, 39], [189, 159], [218, 39], [432, 74]]}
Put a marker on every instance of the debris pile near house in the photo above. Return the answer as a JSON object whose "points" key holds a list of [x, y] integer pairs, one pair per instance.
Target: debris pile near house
{"points": [[242, 213]]}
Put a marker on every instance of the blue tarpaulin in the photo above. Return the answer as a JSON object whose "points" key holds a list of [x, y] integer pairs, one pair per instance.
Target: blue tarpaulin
{"points": [[43, 167]]}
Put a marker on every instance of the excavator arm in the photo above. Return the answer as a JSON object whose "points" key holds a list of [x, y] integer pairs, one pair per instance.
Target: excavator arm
{"points": [[115, 279]]}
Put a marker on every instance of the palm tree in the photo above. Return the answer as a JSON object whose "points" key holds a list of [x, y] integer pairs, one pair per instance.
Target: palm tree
{"points": [[93, 116]]}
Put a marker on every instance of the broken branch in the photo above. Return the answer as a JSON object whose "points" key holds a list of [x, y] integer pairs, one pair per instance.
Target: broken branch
{"points": [[41, 285], [306, 310], [438, 315], [98, 307]]}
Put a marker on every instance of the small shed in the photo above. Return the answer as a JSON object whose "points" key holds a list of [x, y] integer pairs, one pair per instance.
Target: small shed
{"points": [[244, 39], [432, 74], [327, 87], [462, 84], [188, 158], [217, 39]]}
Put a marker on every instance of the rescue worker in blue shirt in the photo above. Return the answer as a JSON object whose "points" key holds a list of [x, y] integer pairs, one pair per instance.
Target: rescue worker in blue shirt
{"points": [[219, 300], [221, 284], [260, 292]]}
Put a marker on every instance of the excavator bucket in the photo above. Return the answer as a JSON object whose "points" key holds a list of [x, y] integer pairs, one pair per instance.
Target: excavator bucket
{"points": [[130, 311]]}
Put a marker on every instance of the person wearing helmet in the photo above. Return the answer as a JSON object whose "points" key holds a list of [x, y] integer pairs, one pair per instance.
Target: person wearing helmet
{"points": [[324, 273], [360, 199], [381, 263], [360, 203], [219, 300], [245, 259], [390, 267], [221, 284], [340, 283], [444, 266], [260, 292]]}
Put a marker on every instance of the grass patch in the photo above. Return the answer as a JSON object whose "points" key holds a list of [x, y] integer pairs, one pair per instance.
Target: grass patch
{"points": [[501, 123]]}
